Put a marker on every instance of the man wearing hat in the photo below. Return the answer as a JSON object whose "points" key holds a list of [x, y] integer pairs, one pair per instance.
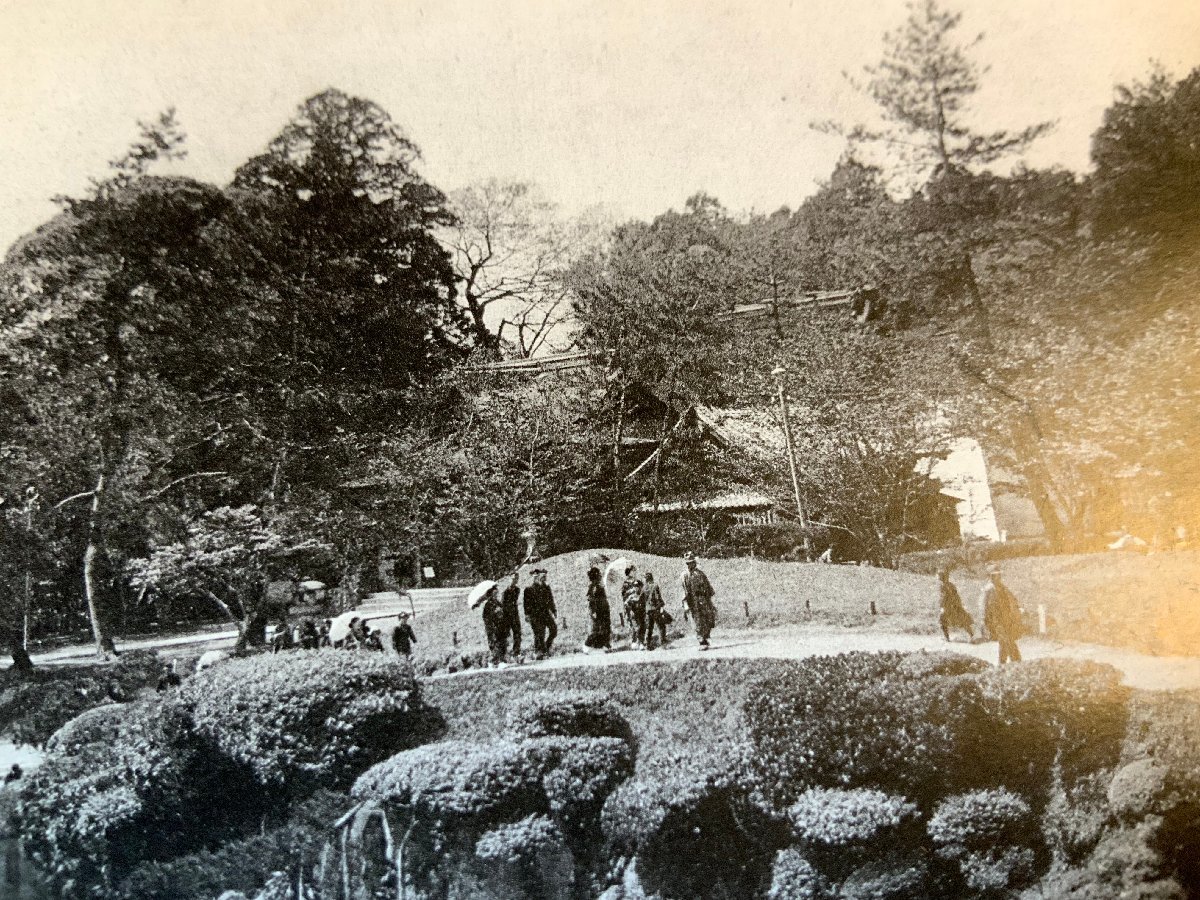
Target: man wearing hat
{"points": [[404, 637], [1002, 616], [540, 612], [698, 597]]}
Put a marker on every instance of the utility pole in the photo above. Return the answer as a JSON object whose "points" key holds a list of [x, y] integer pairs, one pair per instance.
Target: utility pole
{"points": [[779, 374]]}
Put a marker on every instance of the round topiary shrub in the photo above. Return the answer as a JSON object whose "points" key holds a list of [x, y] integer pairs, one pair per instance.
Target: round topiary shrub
{"points": [[519, 842], [990, 834], [456, 780], [793, 877], [567, 714], [124, 790], [309, 718], [835, 818]]}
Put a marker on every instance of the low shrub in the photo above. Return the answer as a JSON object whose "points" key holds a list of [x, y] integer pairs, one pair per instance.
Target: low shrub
{"points": [[991, 835], [243, 864], [309, 718], [861, 720], [129, 796], [793, 877], [834, 818], [36, 704], [519, 842], [979, 819], [456, 780], [1048, 715], [1124, 864], [567, 714]]}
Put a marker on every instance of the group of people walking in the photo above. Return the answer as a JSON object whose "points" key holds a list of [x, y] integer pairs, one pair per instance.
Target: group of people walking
{"points": [[1000, 612], [502, 621], [643, 609]]}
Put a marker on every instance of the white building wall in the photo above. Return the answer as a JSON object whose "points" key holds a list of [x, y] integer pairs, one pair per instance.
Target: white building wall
{"points": [[963, 474]]}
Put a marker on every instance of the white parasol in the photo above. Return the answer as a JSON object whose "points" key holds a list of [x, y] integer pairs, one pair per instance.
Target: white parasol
{"points": [[475, 598], [615, 570], [339, 628]]}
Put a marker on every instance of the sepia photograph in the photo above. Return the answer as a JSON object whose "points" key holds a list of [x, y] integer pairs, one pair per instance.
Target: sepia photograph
{"points": [[599, 450]]}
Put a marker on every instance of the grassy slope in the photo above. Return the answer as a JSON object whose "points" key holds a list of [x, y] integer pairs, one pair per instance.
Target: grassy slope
{"points": [[1147, 603], [775, 591]]}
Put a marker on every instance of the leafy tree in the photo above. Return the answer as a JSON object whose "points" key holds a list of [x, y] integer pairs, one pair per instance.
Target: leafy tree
{"points": [[228, 558], [923, 85], [1147, 174], [105, 333]]}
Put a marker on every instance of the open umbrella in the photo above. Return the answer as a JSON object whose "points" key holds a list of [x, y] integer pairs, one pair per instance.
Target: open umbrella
{"points": [[339, 628], [475, 598], [615, 571]]}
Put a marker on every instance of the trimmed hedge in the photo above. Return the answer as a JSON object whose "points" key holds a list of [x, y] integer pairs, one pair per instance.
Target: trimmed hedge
{"points": [[34, 705], [862, 720], [567, 714], [835, 818], [308, 718], [131, 796]]}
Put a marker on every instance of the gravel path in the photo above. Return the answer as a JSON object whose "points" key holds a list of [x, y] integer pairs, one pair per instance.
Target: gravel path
{"points": [[800, 641]]}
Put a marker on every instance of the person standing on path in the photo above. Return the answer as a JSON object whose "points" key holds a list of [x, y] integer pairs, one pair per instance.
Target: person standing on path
{"points": [[698, 598], [404, 637], [656, 612], [1002, 616], [512, 618], [493, 625], [540, 613], [600, 637], [954, 614], [635, 608]]}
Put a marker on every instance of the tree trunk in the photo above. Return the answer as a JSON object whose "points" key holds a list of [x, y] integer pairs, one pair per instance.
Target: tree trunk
{"points": [[89, 575], [20, 656], [618, 436]]}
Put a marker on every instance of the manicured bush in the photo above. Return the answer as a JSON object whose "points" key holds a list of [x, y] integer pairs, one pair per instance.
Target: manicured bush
{"points": [[1048, 713], [990, 834], [1124, 864], [456, 780], [861, 720], [793, 877], [567, 714], [131, 795], [246, 863], [36, 704], [519, 842], [309, 718], [834, 818]]}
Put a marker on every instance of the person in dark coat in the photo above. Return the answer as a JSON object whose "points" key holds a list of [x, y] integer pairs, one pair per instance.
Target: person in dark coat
{"points": [[698, 598], [540, 613], [404, 637], [310, 639], [635, 608], [601, 634], [1002, 616], [493, 625], [656, 612], [170, 680], [512, 619], [954, 614]]}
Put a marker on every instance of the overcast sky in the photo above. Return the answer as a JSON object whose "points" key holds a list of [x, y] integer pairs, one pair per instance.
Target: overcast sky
{"points": [[627, 103]]}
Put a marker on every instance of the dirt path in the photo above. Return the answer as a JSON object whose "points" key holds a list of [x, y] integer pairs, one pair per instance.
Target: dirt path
{"points": [[800, 641]]}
